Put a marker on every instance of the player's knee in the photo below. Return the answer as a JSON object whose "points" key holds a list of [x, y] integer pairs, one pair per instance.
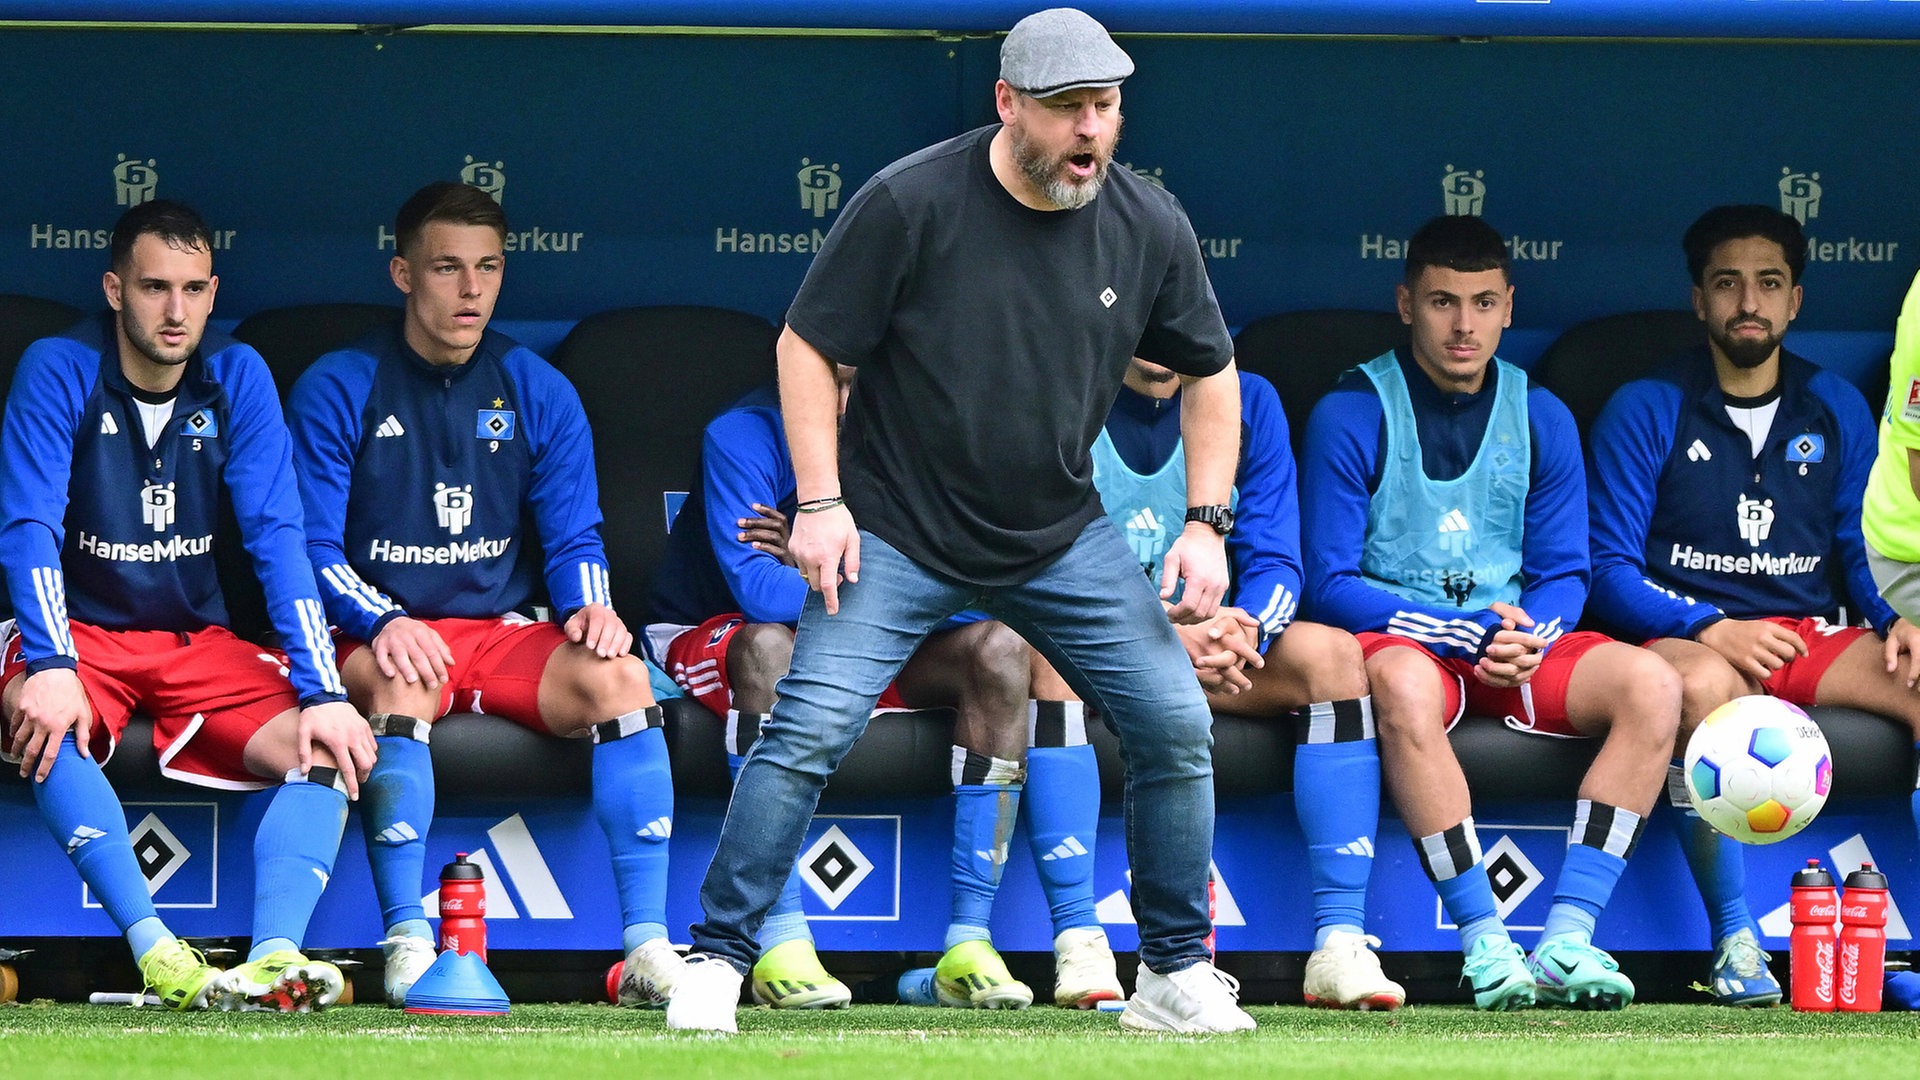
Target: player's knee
{"points": [[1408, 697], [758, 655], [1648, 699], [397, 696], [1335, 667], [612, 687], [997, 667]]}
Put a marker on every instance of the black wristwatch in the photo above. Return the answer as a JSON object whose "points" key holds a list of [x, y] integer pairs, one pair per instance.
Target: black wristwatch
{"points": [[1220, 517]]}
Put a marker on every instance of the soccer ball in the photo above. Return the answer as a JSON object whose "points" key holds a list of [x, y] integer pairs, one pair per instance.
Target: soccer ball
{"points": [[1758, 769]]}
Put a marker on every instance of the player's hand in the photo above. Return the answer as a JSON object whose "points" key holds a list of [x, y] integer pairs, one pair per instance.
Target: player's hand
{"points": [[767, 533], [1221, 648], [1198, 557], [343, 732], [1754, 647], [52, 703], [1904, 637], [823, 546], [1513, 654], [599, 629], [409, 649]]}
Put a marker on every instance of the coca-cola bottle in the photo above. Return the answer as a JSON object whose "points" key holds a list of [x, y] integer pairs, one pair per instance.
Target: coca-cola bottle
{"points": [[463, 907], [1815, 908], [1863, 940]]}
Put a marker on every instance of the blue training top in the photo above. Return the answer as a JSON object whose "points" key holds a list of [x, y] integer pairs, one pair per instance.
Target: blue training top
{"points": [[1264, 547], [445, 492], [1341, 471], [102, 529], [1689, 527]]}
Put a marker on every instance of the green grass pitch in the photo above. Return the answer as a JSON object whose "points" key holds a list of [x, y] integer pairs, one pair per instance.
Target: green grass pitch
{"points": [[576, 1042]]}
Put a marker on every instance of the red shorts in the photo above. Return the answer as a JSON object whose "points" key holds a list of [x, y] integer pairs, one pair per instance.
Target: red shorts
{"points": [[1799, 679], [208, 693], [497, 665], [1538, 705], [697, 660]]}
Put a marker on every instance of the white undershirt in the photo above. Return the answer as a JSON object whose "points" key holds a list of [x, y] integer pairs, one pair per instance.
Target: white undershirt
{"points": [[1756, 422], [153, 419]]}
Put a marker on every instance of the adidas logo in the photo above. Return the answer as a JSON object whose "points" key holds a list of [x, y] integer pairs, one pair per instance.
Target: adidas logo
{"points": [[996, 857], [1069, 848], [660, 828], [1699, 452], [397, 833], [389, 428], [81, 837], [1360, 846], [1455, 522], [522, 869], [107, 426], [1144, 521]]}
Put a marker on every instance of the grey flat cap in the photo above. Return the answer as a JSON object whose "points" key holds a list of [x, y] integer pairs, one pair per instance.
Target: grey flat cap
{"points": [[1050, 52]]}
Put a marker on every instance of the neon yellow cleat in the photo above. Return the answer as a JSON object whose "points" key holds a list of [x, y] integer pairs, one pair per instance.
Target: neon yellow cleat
{"points": [[181, 976], [283, 981], [790, 976], [972, 976]]}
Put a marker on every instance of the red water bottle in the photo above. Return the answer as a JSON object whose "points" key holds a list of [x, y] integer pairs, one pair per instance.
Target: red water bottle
{"points": [[463, 907], [1815, 908], [1863, 940]]}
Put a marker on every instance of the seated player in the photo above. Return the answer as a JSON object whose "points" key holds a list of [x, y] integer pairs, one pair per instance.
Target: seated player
{"points": [[1262, 664], [1726, 491], [448, 474], [126, 439], [724, 604], [1890, 510], [1445, 497]]}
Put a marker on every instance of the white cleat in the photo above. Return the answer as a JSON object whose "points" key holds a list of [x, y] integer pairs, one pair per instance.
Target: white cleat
{"points": [[705, 996], [1083, 970], [649, 973], [1345, 974], [1200, 999], [407, 958]]}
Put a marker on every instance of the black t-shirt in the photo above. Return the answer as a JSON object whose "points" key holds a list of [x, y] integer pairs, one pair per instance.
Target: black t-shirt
{"points": [[991, 339]]}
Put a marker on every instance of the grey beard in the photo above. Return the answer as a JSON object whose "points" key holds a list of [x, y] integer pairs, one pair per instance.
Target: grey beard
{"points": [[1045, 175]]}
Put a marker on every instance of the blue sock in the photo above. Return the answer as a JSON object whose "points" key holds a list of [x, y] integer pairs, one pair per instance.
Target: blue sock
{"points": [[1451, 859], [293, 857], [1061, 802], [787, 919], [1336, 796], [1718, 863], [986, 802], [85, 818], [633, 798], [396, 810], [1602, 839]]}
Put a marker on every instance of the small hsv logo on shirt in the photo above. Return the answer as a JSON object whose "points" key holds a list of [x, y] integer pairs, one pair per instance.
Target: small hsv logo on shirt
{"points": [[1108, 296]]}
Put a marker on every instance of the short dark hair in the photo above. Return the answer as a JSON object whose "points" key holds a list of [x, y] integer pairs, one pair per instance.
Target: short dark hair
{"points": [[1458, 242], [445, 200], [174, 222], [1724, 223]]}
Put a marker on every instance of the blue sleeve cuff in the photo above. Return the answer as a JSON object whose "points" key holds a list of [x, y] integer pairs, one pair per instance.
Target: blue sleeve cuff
{"points": [[1693, 631], [312, 700], [380, 623], [35, 667]]}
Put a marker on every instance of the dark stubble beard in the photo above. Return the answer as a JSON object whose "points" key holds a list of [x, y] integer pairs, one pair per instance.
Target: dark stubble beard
{"points": [[149, 345], [1044, 172], [1746, 353]]}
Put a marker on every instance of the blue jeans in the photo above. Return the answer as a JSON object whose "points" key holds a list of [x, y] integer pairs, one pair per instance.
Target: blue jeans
{"points": [[1094, 616]]}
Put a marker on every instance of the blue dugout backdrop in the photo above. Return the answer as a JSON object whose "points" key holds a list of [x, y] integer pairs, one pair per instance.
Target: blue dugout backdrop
{"points": [[705, 168]]}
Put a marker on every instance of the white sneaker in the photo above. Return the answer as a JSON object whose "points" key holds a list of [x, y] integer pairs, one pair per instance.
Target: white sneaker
{"points": [[1083, 971], [1194, 1000], [1345, 974], [705, 996], [407, 958], [648, 975]]}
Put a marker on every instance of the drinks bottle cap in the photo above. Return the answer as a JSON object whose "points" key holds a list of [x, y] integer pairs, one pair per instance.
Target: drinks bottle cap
{"points": [[1866, 878], [1812, 877], [461, 870]]}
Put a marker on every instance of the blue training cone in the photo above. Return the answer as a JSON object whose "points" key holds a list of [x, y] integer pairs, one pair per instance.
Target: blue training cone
{"points": [[458, 984]]}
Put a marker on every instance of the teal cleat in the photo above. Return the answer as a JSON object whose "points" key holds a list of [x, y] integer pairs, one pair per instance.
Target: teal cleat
{"points": [[1572, 973], [1497, 971]]}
